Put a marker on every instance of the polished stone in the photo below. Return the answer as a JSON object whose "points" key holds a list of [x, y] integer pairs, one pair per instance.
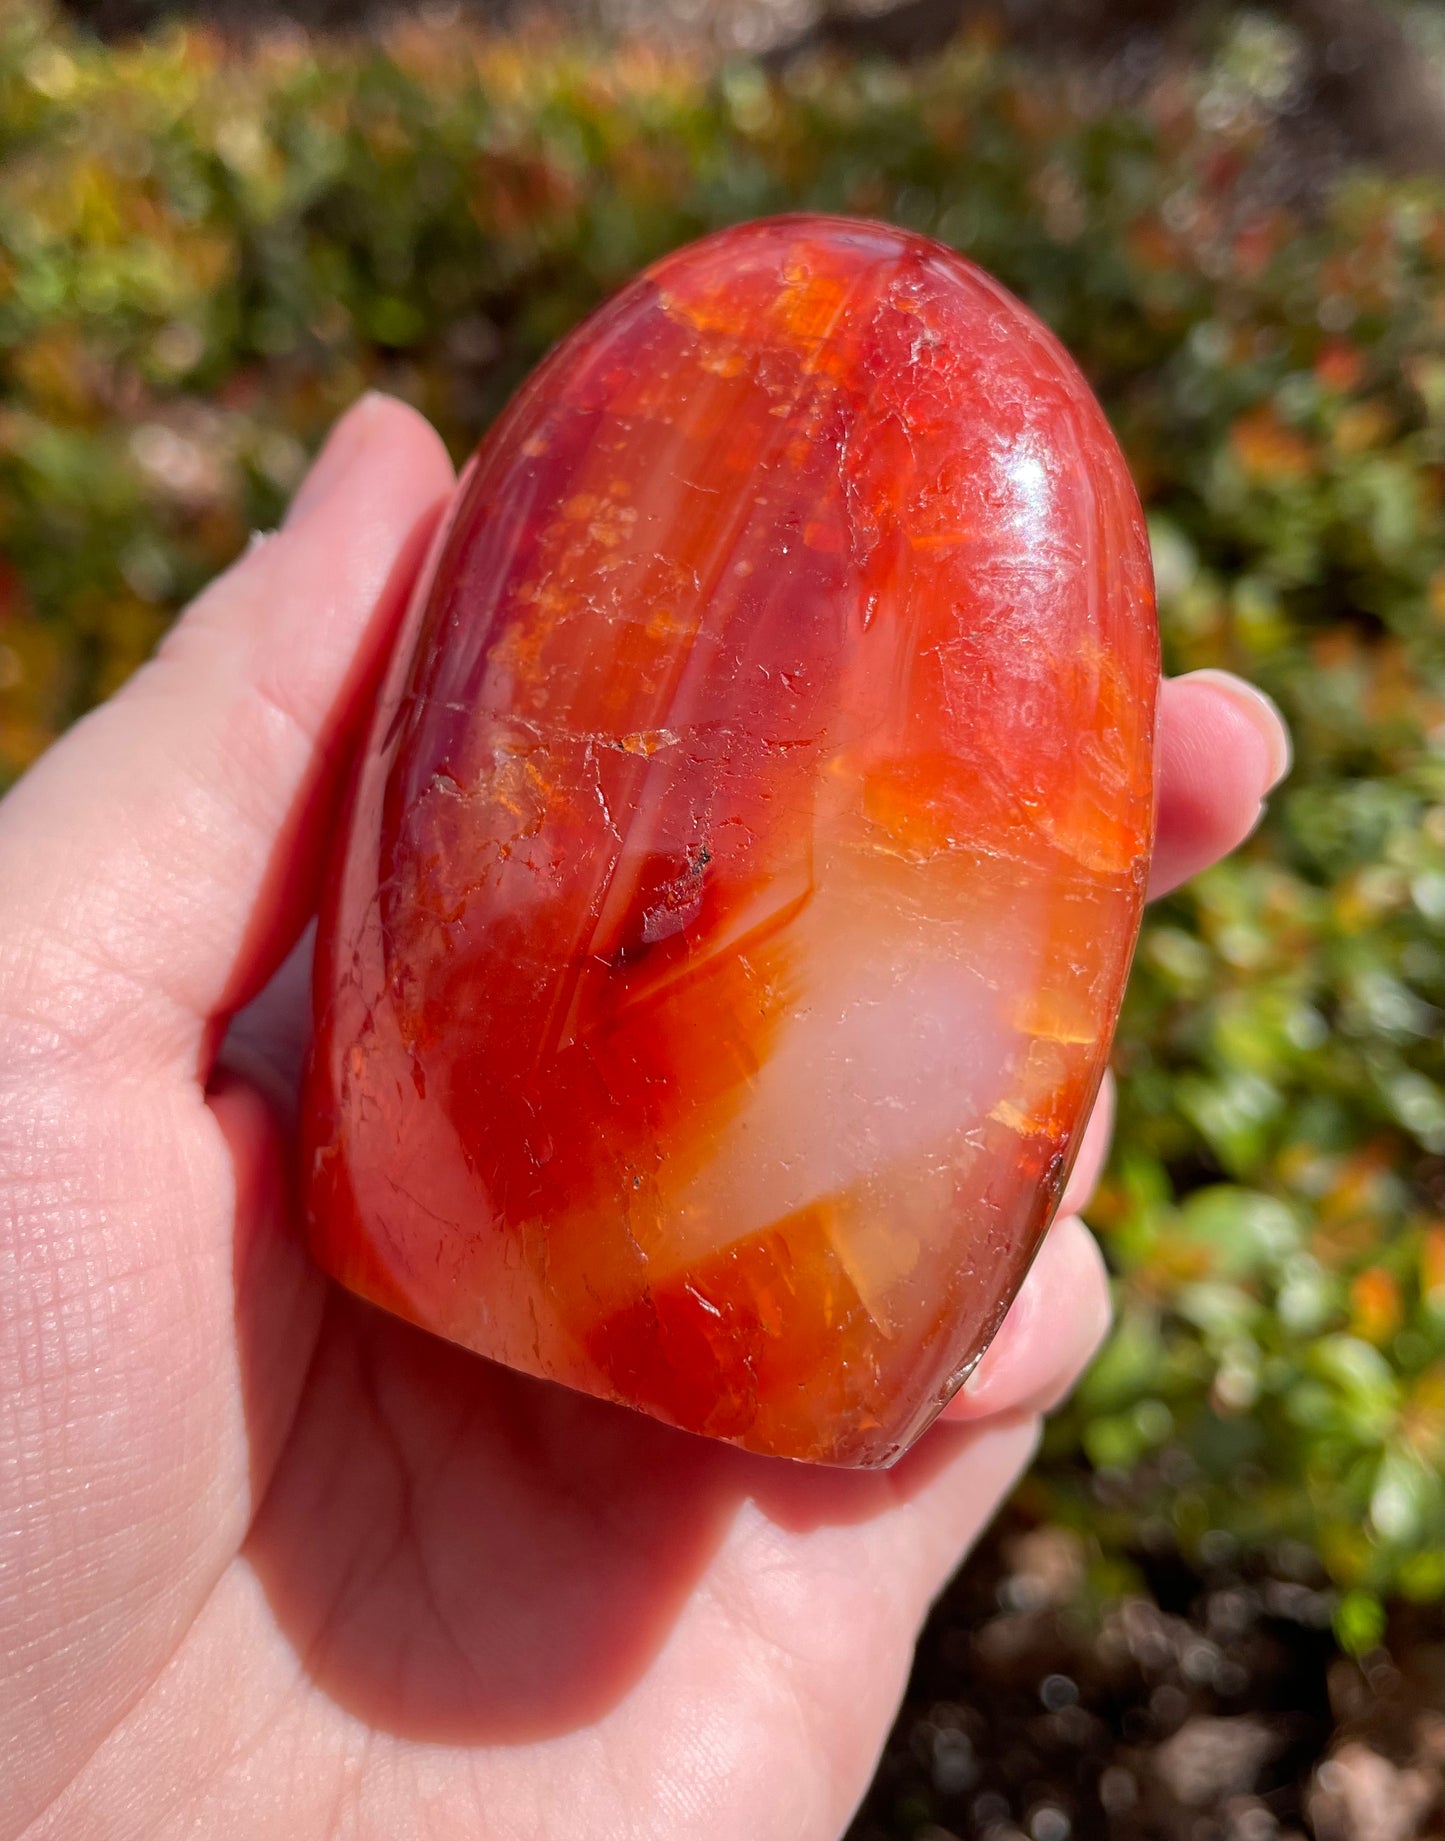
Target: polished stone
{"points": [[745, 862]]}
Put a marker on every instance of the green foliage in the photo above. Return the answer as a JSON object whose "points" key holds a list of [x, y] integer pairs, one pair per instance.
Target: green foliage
{"points": [[205, 254]]}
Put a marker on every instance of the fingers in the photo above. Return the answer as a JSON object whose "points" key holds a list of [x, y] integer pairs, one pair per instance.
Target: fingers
{"points": [[156, 864], [1222, 748], [1051, 1333]]}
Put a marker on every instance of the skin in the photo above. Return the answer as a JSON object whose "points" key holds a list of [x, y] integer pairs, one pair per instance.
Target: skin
{"points": [[272, 1563]]}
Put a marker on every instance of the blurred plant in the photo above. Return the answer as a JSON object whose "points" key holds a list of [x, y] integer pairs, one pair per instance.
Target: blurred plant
{"points": [[205, 253]]}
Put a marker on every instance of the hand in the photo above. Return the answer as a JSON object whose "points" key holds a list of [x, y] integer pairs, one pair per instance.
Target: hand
{"points": [[273, 1564]]}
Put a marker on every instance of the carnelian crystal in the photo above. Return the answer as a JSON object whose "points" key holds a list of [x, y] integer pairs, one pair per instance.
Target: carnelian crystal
{"points": [[743, 868]]}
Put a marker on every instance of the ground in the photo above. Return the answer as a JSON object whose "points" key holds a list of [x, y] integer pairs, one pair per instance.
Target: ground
{"points": [[1206, 1706]]}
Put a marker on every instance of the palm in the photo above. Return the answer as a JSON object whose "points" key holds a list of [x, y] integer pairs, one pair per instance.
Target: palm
{"points": [[534, 1598], [274, 1564]]}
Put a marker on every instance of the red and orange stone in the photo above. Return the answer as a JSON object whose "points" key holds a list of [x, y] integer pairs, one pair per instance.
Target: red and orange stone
{"points": [[744, 867]]}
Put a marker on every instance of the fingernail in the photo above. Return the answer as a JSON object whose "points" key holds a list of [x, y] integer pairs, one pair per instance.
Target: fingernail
{"points": [[338, 454], [1263, 713]]}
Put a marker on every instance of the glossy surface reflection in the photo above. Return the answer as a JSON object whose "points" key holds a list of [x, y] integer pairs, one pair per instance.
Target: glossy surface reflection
{"points": [[744, 867]]}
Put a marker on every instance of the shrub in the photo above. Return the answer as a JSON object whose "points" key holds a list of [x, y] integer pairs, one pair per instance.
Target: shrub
{"points": [[204, 254]]}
